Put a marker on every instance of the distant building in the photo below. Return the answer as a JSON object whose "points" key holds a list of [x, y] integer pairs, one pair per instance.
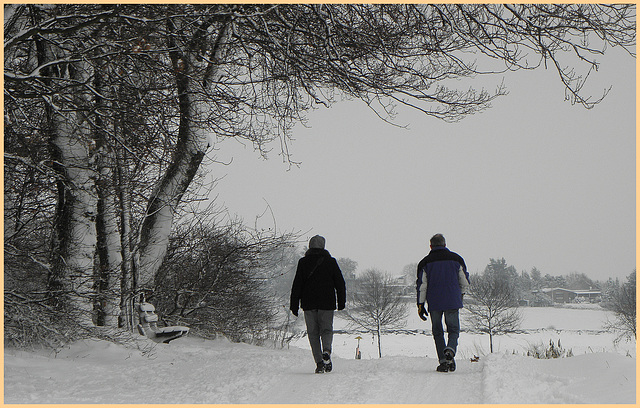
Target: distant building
{"points": [[350, 280], [561, 295], [401, 285], [405, 286]]}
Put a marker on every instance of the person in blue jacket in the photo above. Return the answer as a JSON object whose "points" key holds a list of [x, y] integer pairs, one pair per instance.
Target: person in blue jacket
{"points": [[442, 282]]}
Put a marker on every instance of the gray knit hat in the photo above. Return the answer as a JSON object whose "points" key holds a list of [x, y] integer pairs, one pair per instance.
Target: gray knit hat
{"points": [[316, 242]]}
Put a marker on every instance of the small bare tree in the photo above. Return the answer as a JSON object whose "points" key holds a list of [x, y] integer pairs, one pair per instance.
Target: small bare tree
{"points": [[494, 307], [377, 305], [623, 304]]}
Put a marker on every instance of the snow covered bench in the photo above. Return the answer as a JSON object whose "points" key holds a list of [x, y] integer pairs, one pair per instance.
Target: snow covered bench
{"points": [[148, 325]]}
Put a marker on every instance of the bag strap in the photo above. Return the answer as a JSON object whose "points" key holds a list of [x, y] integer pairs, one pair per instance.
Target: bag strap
{"points": [[315, 267]]}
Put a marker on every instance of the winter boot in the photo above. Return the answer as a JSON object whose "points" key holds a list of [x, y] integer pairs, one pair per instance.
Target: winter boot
{"points": [[443, 368], [320, 367], [326, 359], [449, 354]]}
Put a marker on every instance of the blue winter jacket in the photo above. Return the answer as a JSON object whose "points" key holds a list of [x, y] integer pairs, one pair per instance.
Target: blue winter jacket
{"points": [[443, 274]]}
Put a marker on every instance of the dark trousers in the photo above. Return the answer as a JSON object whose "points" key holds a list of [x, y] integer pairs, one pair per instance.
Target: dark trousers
{"points": [[452, 320], [320, 331]]}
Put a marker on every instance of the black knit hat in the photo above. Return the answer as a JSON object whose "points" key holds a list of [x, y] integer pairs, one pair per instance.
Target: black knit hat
{"points": [[317, 242]]}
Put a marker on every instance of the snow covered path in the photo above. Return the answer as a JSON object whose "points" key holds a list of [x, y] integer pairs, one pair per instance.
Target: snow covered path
{"points": [[385, 381], [192, 371]]}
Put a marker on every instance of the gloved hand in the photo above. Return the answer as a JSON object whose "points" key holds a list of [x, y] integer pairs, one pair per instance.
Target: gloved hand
{"points": [[422, 312], [340, 307], [295, 312], [462, 298]]}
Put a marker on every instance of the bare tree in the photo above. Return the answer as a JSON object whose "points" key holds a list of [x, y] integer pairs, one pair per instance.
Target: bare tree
{"points": [[216, 277], [493, 306], [377, 305], [623, 304]]}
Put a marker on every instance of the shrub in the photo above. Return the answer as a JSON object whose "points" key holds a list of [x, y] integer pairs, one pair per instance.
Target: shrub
{"points": [[541, 351]]}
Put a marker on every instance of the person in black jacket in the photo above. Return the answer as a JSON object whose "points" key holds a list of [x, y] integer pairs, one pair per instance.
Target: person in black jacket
{"points": [[317, 282]]}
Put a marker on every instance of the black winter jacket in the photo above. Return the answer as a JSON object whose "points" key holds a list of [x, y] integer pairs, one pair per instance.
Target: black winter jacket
{"points": [[319, 290]]}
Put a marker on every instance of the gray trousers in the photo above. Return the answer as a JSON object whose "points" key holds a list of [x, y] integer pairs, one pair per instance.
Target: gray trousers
{"points": [[320, 331]]}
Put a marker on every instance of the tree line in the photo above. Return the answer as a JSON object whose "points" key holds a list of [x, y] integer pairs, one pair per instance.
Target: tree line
{"points": [[112, 113], [499, 290]]}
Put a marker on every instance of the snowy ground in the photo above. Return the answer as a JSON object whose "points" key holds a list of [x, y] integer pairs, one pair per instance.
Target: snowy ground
{"points": [[192, 370]]}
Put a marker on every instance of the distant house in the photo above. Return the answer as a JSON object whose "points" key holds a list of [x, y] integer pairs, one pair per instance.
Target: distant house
{"points": [[350, 280], [405, 286], [561, 295], [401, 285]]}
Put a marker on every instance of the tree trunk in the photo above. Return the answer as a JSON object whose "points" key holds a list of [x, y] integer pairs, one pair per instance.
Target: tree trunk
{"points": [[72, 271], [70, 281], [109, 254], [490, 342], [127, 280], [191, 147], [156, 227], [108, 241]]}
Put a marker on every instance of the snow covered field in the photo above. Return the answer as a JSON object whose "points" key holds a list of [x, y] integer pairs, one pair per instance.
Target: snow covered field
{"points": [[580, 330], [192, 370]]}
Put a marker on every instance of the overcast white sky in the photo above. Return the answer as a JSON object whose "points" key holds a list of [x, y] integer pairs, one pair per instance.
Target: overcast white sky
{"points": [[533, 180]]}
